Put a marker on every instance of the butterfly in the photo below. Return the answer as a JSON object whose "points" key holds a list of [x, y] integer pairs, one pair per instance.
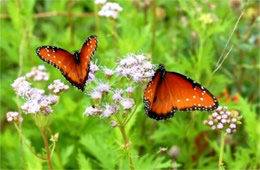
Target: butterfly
{"points": [[169, 92], [74, 67]]}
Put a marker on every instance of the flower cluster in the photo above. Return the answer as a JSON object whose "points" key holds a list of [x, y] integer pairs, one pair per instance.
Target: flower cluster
{"points": [[13, 116], [224, 120], [35, 99], [110, 10], [136, 69], [38, 73], [100, 2], [57, 87]]}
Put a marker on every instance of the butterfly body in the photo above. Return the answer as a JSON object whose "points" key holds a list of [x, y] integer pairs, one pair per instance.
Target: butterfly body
{"points": [[169, 92], [74, 67]]}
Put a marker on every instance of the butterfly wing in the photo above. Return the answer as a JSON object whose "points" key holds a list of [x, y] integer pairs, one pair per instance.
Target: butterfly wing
{"points": [[176, 92], [87, 51], [74, 68]]}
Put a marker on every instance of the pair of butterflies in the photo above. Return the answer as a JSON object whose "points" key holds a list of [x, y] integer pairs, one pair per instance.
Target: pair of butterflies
{"points": [[165, 94]]}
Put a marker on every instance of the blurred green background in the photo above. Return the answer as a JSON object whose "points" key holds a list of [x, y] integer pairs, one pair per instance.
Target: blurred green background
{"points": [[189, 37]]}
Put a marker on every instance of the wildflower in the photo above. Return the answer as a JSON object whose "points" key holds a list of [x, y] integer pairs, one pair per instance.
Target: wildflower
{"points": [[91, 77], [118, 95], [54, 138], [162, 150], [38, 74], [103, 88], [135, 67], [96, 95], [110, 109], [108, 72], [113, 123], [224, 119], [110, 10], [127, 103], [21, 87], [100, 2], [174, 152], [130, 90], [92, 111], [93, 67], [58, 87], [13, 116]]}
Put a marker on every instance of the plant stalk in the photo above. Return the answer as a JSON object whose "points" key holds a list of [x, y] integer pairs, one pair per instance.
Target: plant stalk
{"points": [[48, 155], [126, 143], [153, 27], [220, 163]]}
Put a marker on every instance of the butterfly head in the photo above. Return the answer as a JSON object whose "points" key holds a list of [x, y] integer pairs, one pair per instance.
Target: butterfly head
{"points": [[77, 57], [162, 70]]}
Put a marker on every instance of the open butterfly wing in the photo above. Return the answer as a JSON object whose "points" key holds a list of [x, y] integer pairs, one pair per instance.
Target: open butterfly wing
{"points": [[87, 51], [168, 93], [63, 60]]}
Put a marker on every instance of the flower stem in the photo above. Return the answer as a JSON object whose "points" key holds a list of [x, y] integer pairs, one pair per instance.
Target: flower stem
{"points": [[48, 155], [126, 142], [153, 26], [220, 163]]}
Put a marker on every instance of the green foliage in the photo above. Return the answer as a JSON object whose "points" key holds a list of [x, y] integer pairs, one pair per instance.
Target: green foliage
{"points": [[190, 38]]}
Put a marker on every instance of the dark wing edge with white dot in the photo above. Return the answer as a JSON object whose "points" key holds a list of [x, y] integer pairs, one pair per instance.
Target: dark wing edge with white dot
{"points": [[214, 106], [80, 87], [147, 103], [92, 54]]}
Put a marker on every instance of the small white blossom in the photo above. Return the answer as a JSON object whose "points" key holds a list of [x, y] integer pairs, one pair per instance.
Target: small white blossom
{"points": [[110, 109], [130, 89], [210, 122], [96, 95], [92, 111], [108, 72], [21, 87], [93, 67], [127, 103], [100, 2], [13, 116], [110, 10], [117, 96], [233, 126], [215, 114], [220, 126], [57, 87], [91, 77], [228, 130], [38, 74], [103, 87]]}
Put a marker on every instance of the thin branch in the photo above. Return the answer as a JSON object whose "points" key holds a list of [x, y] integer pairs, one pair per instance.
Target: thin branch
{"points": [[52, 14]]}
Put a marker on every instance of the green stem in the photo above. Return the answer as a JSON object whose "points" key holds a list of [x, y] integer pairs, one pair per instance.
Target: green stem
{"points": [[153, 26], [47, 148], [126, 143], [97, 19], [28, 146], [220, 163]]}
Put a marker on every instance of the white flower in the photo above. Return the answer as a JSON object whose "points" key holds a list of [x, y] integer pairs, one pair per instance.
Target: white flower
{"points": [[228, 130], [108, 72], [100, 2], [214, 114], [91, 77], [210, 122], [110, 10], [93, 67], [21, 87], [233, 126], [220, 126], [130, 89], [13, 116], [92, 111], [31, 106], [118, 95], [58, 86], [127, 103], [38, 74], [110, 109], [96, 95], [103, 87]]}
